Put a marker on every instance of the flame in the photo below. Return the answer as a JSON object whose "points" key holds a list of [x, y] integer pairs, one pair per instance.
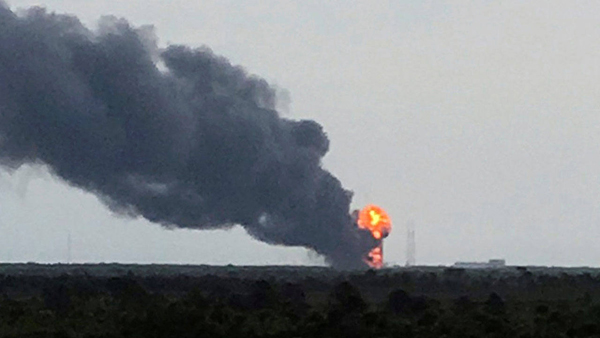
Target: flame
{"points": [[376, 220], [375, 257]]}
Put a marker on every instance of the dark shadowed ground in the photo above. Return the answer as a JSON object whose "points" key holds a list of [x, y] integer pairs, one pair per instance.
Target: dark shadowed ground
{"points": [[112, 300]]}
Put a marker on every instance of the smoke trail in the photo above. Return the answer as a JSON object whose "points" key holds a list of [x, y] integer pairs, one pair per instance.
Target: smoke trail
{"points": [[197, 145]]}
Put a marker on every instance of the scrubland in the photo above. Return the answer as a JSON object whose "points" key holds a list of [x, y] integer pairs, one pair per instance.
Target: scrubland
{"points": [[111, 300]]}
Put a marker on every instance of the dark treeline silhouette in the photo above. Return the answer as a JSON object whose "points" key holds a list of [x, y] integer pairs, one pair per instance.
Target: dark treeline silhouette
{"points": [[64, 301]]}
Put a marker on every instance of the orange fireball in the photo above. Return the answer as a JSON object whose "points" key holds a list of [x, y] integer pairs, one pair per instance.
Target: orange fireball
{"points": [[376, 220]]}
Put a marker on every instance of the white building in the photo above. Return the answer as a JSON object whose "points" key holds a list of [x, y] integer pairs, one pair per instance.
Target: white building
{"points": [[491, 264]]}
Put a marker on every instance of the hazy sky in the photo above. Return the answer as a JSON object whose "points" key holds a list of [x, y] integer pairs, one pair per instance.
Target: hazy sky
{"points": [[478, 120]]}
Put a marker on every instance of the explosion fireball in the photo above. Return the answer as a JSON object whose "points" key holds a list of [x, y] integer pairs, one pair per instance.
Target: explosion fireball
{"points": [[377, 221]]}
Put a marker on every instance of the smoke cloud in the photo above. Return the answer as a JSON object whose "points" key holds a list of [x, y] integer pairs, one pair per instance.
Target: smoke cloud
{"points": [[193, 143]]}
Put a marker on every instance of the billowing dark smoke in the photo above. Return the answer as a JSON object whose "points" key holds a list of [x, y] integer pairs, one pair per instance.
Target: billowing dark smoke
{"points": [[193, 143]]}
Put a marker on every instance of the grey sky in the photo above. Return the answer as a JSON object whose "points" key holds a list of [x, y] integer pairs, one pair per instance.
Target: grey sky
{"points": [[477, 120]]}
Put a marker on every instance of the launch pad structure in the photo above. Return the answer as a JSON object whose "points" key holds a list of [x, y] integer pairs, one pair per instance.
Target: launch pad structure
{"points": [[411, 246]]}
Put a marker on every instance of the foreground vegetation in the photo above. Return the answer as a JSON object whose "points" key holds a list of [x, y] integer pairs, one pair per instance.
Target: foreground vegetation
{"points": [[180, 301]]}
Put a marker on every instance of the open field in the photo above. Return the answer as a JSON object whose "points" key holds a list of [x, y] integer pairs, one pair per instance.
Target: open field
{"points": [[113, 300]]}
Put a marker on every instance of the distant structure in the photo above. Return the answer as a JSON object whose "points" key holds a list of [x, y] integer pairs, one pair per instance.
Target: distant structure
{"points": [[491, 264], [411, 246], [69, 248]]}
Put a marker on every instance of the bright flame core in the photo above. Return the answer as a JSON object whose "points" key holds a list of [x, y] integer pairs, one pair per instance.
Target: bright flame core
{"points": [[376, 220]]}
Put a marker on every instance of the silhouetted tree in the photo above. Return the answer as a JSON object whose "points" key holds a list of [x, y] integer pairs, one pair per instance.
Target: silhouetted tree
{"points": [[495, 304], [57, 298], [399, 301], [347, 298]]}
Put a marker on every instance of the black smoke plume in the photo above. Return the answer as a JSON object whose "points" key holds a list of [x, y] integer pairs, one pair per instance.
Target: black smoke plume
{"points": [[176, 135]]}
